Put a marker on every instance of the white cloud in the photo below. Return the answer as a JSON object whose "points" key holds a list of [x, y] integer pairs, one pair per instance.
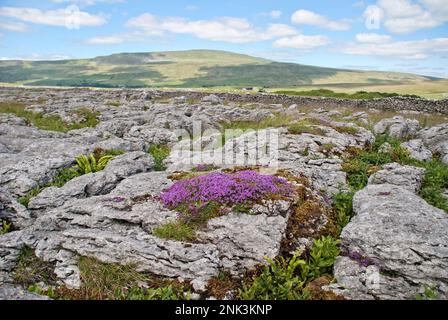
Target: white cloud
{"points": [[106, 40], [302, 42], [37, 57], [191, 7], [59, 17], [13, 26], [417, 49], [310, 18], [227, 29], [404, 16], [86, 3], [372, 38], [274, 14]]}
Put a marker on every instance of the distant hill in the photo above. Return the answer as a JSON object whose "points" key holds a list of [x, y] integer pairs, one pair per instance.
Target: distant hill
{"points": [[189, 69]]}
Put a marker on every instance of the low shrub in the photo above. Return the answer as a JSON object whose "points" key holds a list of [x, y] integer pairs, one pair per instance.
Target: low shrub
{"points": [[5, 226], [285, 279], [343, 206], [429, 293], [435, 183], [89, 164], [159, 153]]}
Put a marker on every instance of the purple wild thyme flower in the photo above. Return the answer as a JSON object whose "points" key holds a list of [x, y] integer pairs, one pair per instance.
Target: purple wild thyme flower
{"points": [[118, 199], [362, 260], [227, 189]]}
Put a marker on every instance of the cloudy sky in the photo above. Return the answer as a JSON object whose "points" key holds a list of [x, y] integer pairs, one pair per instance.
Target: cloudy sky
{"points": [[399, 35]]}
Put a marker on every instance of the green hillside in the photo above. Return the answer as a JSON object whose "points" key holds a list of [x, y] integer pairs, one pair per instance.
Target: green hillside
{"points": [[190, 69]]}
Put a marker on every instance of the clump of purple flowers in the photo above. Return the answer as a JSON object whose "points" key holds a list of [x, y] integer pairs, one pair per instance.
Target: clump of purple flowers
{"points": [[224, 189], [362, 261]]}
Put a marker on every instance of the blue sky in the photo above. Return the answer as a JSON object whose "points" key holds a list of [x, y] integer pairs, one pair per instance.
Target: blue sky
{"points": [[398, 35]]}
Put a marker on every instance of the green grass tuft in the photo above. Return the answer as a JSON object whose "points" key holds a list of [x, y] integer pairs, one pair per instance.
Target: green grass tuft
{"points": [[50, 122], [104, 281], [30, 269], [305, 126], [178, 230]]}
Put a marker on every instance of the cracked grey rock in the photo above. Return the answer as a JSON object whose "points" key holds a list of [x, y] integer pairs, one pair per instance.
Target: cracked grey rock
{"points": [[97, 183], [397, 127], [212, 99], [149, 253], [243, 240], [405, 237], [408, 177], [436, 140], [417, 150], [13, 211], [10, 292]]}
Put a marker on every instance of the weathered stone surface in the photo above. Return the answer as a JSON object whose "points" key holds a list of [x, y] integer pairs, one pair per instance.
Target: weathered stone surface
{"points": [[9, 292], [97, 183], [163, 257], [436, 139], [417, 150], [212, 99], [111, 215], [405, 240], [397, 127], [13, 211], [408, 177], [243, 240]]}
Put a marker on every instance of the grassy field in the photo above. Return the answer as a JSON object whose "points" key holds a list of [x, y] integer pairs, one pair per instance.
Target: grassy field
{"points": [[209, 70], [430, 89]]}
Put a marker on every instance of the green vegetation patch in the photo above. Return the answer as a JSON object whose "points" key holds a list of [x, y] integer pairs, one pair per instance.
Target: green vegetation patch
{"points": [[159, 153], [305, 126], [272, 74], [5, 226], [178, 230], [62, 177], [103, 281], [271, 122], [30, 269], [50, 122], [94, 162], [286, 279], [361, 164]]}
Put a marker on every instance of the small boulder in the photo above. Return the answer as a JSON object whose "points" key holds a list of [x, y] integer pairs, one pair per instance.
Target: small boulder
{"points": [[417, 150], [408, 177], [397, 127], [212, 99]]}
